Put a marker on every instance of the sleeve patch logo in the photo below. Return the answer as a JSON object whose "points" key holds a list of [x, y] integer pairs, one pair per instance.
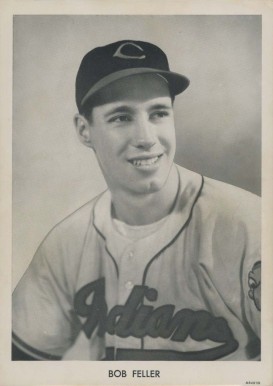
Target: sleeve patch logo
{"points": [[254, 283]]}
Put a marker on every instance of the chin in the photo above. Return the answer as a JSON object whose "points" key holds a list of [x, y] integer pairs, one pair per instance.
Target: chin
{"points": [[150, 187]]}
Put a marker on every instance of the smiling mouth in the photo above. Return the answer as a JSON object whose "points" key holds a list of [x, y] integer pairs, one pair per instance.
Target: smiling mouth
{"points": [[145, 162]]}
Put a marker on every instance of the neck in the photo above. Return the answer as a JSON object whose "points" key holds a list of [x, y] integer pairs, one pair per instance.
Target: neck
{"points": [[147, 208]]}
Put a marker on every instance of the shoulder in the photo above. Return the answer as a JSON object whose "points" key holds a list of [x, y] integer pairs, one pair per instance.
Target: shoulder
{"points": [[220, 205], [215, 188], [60, 252], [230, 201], [232, 216], [71, 231], [217, 195]]}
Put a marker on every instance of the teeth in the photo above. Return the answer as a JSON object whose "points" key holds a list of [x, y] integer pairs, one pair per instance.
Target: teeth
{"points": [[144, 162]]}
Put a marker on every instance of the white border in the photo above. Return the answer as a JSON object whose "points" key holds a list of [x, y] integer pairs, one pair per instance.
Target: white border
{"points": [[93, 373]]}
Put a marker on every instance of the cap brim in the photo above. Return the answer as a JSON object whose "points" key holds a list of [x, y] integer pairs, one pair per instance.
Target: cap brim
{"points": [[177, 82]]}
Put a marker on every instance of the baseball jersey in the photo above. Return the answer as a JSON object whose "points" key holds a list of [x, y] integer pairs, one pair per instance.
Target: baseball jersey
{"points": [[190, 290]]}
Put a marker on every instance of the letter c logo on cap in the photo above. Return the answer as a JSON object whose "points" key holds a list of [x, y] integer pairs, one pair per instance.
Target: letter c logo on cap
{"points": [[119, 54]]}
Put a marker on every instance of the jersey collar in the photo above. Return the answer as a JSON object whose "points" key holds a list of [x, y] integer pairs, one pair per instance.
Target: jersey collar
{"points": [[190, 188]]}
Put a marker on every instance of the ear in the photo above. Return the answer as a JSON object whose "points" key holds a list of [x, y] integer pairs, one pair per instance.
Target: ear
{"points": [[83, 130]]}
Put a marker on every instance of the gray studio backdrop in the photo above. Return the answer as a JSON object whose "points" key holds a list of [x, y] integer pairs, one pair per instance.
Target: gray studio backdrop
{"points": [[218, 119]]}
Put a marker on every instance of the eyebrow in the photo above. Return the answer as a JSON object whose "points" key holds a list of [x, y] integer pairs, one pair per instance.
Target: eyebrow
{"points": [[128, 109], [119, 109], [160, 106]]}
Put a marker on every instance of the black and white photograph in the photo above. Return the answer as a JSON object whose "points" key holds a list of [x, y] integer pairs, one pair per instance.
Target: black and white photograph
{"points": [[137, 192]]}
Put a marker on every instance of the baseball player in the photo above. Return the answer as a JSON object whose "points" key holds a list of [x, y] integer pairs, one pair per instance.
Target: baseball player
{"points": [[163, 265]]}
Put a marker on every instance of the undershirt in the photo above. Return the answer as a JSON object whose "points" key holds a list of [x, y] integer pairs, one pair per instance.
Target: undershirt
{"points": [[137, 232], [125, 236]]}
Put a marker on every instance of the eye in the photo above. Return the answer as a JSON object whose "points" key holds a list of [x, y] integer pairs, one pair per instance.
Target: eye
{"points": [[120, 118], [159, 114]]}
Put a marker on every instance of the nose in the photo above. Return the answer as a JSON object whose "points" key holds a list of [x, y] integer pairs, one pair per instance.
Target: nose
{"points": [[144, 133]]}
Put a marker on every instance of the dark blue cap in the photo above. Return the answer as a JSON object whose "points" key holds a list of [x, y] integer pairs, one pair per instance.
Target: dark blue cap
{"points": [[104, 65]]}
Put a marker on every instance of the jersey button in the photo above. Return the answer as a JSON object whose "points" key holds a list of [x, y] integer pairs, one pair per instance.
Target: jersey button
{"points": [[131, 254], [129, 285]]}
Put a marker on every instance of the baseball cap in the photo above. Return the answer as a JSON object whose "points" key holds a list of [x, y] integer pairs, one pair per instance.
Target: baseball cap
{"points": [[104, 65]]}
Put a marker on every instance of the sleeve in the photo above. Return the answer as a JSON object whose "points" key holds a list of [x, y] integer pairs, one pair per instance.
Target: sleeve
{"points": [[251, 270], [251, 278], [42, 318]]}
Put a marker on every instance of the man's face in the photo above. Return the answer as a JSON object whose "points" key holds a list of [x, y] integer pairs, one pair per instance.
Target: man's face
{"points": [[133, 134]]}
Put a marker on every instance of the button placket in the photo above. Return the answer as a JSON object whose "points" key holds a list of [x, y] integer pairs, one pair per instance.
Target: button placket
{"points": [[128, 274], [129, 284], [130, 254], [128, 278]]}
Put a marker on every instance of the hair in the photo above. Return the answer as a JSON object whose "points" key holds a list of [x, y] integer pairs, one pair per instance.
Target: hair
{"points": [[88, 106]]}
